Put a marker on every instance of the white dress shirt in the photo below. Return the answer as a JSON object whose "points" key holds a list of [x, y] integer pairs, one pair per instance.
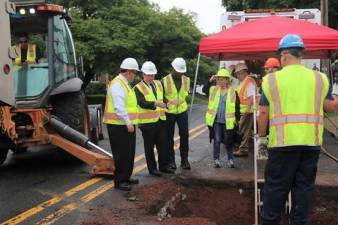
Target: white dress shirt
{"points": [[118, 94]]}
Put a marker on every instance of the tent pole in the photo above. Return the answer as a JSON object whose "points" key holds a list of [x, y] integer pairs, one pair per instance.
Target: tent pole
{"points": [[194, 89]]}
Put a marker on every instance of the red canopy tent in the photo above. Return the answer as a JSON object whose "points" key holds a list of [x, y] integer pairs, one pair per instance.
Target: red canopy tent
{"points": [[259, 39]]}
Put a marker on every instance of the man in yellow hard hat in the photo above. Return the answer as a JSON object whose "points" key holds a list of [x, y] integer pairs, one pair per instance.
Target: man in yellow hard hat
{"points": [[293, 103], [222, 115]]}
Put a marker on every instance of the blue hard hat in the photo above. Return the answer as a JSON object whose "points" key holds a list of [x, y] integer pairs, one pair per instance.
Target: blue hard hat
{"points": [[291, 41]]}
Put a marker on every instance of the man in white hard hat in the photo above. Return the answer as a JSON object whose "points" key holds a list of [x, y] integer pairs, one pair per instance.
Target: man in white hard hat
{"points": [[121, 116], [246, 92], [151, 108], [176, 90]]}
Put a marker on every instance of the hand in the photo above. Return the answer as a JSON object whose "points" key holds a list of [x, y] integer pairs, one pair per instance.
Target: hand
{"points": [[212, 78], [160, 104], [335, 89], [130, 128]]}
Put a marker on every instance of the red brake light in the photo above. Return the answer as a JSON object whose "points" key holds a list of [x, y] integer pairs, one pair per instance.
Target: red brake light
{"points": [[50, 8], [7, 69]]}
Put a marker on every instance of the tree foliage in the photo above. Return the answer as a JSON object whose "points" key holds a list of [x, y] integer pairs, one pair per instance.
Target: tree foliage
{"points": [[233, 5], [107, 31]]}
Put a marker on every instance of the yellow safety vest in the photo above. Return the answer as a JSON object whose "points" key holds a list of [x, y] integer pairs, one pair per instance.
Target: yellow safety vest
{"points": [[296, 96], [242, 93], [110, 115], [176, 100], [149, 115], [31, 54], [230, 107]]}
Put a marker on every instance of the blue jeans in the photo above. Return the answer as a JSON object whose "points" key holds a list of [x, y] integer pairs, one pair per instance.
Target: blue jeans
{"points": [[289, 169], [220, 136]]}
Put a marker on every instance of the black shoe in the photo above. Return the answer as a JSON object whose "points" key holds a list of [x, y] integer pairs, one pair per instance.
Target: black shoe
{"points": [[167, 170], [155, 173], [133, 181], [185, 164], [123, 186], [172, 165]]}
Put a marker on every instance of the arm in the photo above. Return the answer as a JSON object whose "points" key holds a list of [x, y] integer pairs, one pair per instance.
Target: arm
{"points": [[331, 101], [142, 101], [237, 108], [118, 95], [263, 118], [250, 94]]}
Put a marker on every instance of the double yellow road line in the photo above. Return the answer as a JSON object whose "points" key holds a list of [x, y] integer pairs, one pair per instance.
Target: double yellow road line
{"points": [[50, 219]]}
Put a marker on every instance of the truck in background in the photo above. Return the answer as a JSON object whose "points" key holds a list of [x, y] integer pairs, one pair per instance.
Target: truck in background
{"points": [[231, 18]]}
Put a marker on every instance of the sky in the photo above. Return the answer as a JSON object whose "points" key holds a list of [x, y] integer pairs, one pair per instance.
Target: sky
{"points": [[209, 12]]}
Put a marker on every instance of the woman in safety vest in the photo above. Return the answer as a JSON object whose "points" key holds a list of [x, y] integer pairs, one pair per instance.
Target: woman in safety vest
{"points": [[222, 116]]}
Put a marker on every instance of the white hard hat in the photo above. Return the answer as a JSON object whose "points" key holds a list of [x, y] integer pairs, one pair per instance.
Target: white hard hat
{"points": [[179, 65], [240, 66], [149, 68], [129, 64]]}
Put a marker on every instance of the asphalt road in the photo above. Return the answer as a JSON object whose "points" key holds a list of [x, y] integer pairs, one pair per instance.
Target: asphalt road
{"points": [[38, 187]]}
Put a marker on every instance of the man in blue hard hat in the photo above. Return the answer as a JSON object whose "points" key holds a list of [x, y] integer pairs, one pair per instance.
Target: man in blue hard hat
{"points": [[293, 102]]}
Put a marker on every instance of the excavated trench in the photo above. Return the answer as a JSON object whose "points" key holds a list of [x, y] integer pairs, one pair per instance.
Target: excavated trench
{"points": [[203, 203], [196, 202]]}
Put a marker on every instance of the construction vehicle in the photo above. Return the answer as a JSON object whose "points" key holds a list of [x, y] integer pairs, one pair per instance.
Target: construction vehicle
{"points": [[42, 101]]}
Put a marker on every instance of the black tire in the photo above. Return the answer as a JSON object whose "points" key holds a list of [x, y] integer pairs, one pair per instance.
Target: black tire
{"points": [[19, 150], [3, 155], [72, 109], [94, 136]]}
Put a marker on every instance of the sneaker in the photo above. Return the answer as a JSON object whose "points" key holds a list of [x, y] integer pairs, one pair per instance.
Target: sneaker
{"points": [[231, 163], [217, 163]]}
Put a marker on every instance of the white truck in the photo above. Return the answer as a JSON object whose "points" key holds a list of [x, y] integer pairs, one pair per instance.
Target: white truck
{"points": [[231, 18]]}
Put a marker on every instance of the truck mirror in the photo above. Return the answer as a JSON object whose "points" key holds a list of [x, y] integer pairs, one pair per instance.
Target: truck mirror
{"points": [[10, 7], [12, 53]]}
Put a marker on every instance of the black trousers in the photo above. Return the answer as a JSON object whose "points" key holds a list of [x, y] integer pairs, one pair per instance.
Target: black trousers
{"points": [[122, 144], [154, 134], [289, 169], [183, 130]]}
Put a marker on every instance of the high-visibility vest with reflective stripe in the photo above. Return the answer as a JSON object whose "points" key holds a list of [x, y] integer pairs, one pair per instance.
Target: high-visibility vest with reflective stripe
{"points": [[242, 92], [159, 91], [176, 100], [31, 54], [214, 96], [110, 115], [296, 96], [149, 115]]}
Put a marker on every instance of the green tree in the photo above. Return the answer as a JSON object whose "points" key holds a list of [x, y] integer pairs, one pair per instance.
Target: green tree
{"points": [[105, 32]]}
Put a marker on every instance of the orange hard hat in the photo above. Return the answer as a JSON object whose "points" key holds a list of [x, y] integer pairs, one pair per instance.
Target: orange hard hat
{"points": [[272, 63]]}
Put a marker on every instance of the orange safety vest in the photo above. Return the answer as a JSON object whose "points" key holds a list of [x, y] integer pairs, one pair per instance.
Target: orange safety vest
{"points": [[242, 92]]}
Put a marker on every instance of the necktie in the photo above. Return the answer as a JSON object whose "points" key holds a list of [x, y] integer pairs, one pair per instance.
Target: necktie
{"points": [[154, 89]]}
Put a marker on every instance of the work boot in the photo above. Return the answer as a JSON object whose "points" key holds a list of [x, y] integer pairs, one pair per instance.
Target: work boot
{"points": [[167, 170], [185, 164], [123, 186], [133, 181], [172, 165], [240, 153], [155, 173]]}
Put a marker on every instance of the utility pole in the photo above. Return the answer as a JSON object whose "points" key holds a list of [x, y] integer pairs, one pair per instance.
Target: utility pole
{"points": [[324, 9]]}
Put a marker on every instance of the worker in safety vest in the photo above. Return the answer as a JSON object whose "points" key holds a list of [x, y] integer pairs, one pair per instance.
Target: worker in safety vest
{"points": [[26, 52], [121, 115], [176, 90], [246, 92], [293, 102], [222, 115], [151, 108], [271, 65]]}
